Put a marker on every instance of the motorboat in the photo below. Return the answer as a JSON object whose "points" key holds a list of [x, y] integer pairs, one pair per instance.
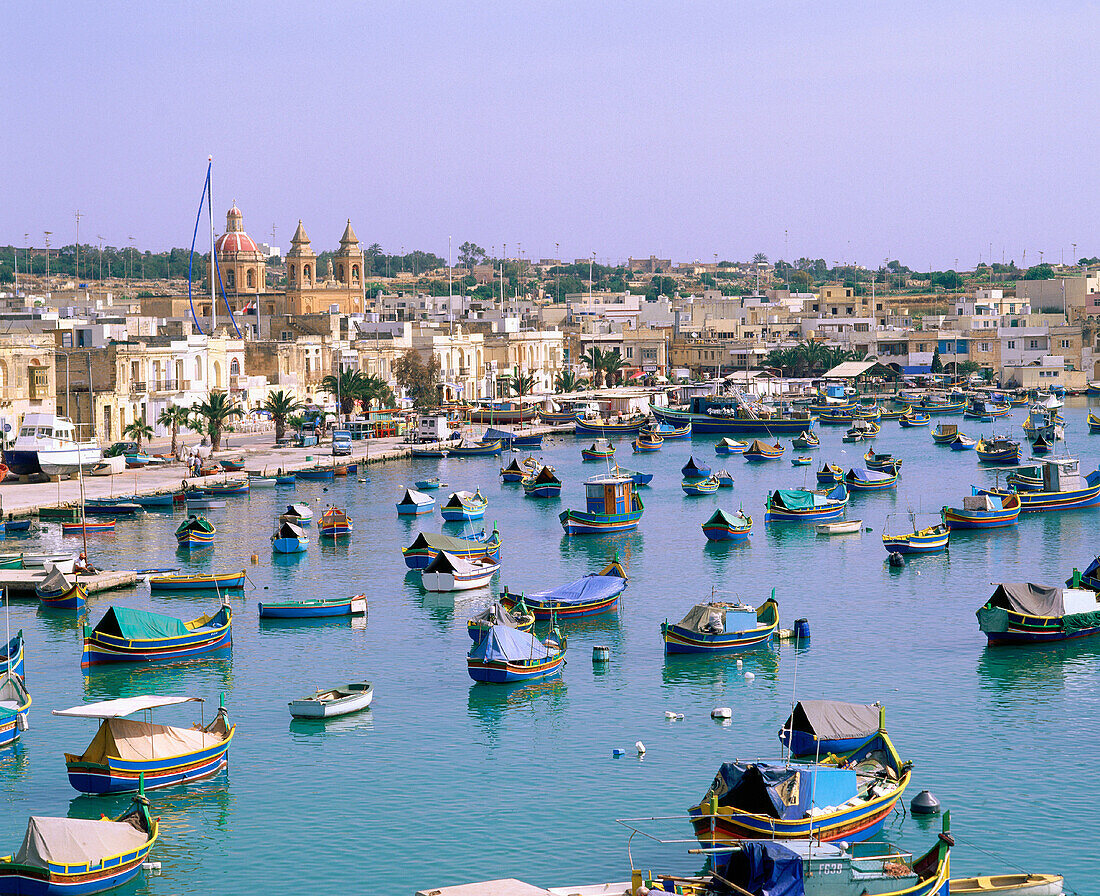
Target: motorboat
{"points": [[47, 444]]}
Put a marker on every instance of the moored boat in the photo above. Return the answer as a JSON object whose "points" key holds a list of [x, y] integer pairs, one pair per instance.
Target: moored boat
{"points": [[882, 463], [639, 478], [996, 450], [734, 415], [289, 538], [516, 471], [982, 511], [429, 485], [434, 451], [506, 654], [869, 480], [517, 617], [124, 753], [693, 470], [598, 450], [1007, 885], [414, 503], [724, 526], [820, 727], [427, 545], [596, 425], [911, 419], [945, 433], [299, 514], [542, 484], [929, 540], [476, 449], [760, 451], [463, 505], [321, 608], [227, 489], [1093, 422], [729, 446], [804, 505], [806, 439], [128, 635], [861, 431], [195, 532], [725, 479], [646, 442], [164, 501], [59, 591], [448, 572], [696, 487], [962, 442], [15, 704], [1025, 613], [588, 596], [671, 432], [839, 527], [334, 523], [11, 656], [86, 525], [1063, 488], [327, 703], [611, 505], [722, 627], [829, 473], [216, 581], [1041, 446]]}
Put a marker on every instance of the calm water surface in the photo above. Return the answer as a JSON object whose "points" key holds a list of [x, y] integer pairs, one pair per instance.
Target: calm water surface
{"points": [[444, 781]]}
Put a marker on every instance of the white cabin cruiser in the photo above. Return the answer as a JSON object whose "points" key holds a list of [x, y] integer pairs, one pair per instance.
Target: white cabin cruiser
{"points": [[47, 444]]}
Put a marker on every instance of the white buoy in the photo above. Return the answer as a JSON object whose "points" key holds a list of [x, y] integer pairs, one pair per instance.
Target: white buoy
{"points": [[721, 712], [750, 677], [740, 663], [640, 747], [674, 716]]}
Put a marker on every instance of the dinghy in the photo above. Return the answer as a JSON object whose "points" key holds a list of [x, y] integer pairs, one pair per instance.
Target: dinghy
{"points": [[330, 702]]}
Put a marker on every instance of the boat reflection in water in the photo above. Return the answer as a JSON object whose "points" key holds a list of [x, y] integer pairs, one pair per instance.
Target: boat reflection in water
{"points": [[545, 697]]}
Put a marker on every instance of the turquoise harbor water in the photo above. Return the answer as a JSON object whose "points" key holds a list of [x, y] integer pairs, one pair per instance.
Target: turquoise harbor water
{"points": [[444, 781]]}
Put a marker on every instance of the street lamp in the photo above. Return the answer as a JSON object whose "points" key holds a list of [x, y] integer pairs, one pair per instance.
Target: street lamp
{"points": [[48, 234]]}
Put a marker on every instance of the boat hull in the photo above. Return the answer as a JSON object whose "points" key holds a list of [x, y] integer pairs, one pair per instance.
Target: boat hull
{"points": [[502, 672], [545, 610], [816, 515], [314, 709], [315, 475], [100, 648], [579, 522], [120, 776], [421, 558], [1038, 502], [289, 545], [682, 640], [915, 544], [726, 533], [608, 430], [353, 606], [202, 581], [70, 599], [980, 519], [703, 424], [446, 581]]}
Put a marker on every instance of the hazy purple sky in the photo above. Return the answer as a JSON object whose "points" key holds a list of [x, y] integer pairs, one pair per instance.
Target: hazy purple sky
{"points": [[921, 131]]}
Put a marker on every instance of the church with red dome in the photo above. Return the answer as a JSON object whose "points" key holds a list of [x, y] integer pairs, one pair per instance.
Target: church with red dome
{"points": [[242, 264]]}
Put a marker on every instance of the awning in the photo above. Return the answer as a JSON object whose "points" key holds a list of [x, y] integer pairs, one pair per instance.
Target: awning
{"points": [[124, 706]]}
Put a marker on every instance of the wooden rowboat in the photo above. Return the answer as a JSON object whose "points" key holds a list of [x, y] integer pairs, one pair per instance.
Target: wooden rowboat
{"points": [[839, 527], [1007, 885], [337, 701]]}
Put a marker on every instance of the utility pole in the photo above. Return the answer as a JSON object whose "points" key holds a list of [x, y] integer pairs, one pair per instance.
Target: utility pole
{"points": [[99, 236], [557, 280], [79, 215], [48, 234]]}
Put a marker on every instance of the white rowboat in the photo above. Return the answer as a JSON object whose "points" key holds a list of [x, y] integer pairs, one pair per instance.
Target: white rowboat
{"points": [[338, 701], [840, 527]]}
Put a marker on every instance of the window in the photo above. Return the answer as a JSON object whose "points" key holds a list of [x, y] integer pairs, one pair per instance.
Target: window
{"points": [[250, 278], [234, 367], [1034, 343], [286, 336], [66, 340], [983, 346], [1065, 343], [230, 280], [40, 384], [1012, 343]]}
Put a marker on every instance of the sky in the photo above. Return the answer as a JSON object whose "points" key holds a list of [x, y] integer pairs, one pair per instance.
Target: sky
{"points": [[854, 132]]}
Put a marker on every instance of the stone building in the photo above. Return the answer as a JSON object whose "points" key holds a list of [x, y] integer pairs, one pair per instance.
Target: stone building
{"points": [[342, 286], [240, 260], [26, 379]]}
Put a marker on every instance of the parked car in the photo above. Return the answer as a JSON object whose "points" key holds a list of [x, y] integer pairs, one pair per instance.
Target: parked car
{"points": [[341, 441]]}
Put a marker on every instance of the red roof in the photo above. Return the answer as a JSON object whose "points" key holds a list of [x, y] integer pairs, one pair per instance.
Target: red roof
{"points": [[235, 242]]}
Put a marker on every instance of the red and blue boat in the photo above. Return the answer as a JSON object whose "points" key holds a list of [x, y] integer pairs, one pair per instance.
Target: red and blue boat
{"points": [[601, 449], [840, 798], [910, 420], [321, 608], [829, 473], [722, 627], [490, 448], [58, 857], [1025, 613], [588, 596], [427, 546], [609, 428], [611, 505], [980, 511], [731, 415], [723, 526], [124, 753], [15, 703], [759, 451], [60, 592], [462, 506], [334, 523], [1063, 488], [806, 506], [671, 432], [647, 441], [198, 581], [196, 532], [506, 654], [128, 635]]}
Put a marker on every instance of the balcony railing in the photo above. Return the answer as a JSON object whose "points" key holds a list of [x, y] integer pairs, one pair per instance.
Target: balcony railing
{"points": [[138, 388]]}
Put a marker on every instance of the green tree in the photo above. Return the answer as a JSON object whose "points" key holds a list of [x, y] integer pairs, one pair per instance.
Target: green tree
{"points": [[217, 412], [175, 417], [139, 431], [376, 390], [281, 406], [594, 359], [568, 381], [524, 384], [1039, 272], [937, 364], [470, 254], [613, 365], [419, 379], [348, 387]]}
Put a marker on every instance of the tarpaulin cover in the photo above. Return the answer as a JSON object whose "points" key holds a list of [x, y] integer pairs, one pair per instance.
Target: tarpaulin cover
{"points": [[445, 561], [140, 625], [289, 530], [412, 496], [492, 434], [868, 475], [1028, 598], [1077, 622], [590, 589], [794, 499], [509, 645], [779, 791], [711, 618], [762, 868], [833, 720], [135, 741], [446, 542], [56, 582], [496, 614], [76, 841]]}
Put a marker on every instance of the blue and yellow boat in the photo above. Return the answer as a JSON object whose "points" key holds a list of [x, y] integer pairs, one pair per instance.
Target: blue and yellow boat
{"points": [[427, 546], [910, 420], [612, 505], [54, 861], [760, 451], [517, 616], [11, 659], [124, 751], [807, 439], [335, 523], [196, 532], [732, 415], [930, 540], [729, 446], [869, 480], [463, 506], [128, 635], [608, 428], [728, 527], [647, 441], [60, 592], [229, 488], [489, 448], [316, 474], [15, 703], [882, 462], [1063, 488], [591, 595], [321, 608], [1093, 422], [820, 727], [506, 654], [981, 511], [722, 627], [601, 449], [995, 450], [212, 581], [695, 487], [1025, 613], [806, 506], [671, 432], [693, 470], [829, 473], [542, 483]]}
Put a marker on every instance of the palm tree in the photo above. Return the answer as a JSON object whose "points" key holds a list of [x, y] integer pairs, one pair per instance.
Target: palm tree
{"points": [[281, 405], [374, 390], [296, 422], [174, 417], [217, 412], [568, 381], [523, 384], [613, 364], [348, 386], [139, 431], [594, 358]]}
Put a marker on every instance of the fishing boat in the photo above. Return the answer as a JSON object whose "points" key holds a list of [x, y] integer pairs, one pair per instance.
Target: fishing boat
{"points": [[289, 538], [297, 513], [542, 484], [1090, 578], [62, 560], [735, 415], [869, 480], [429, 485], [321, 608], [1044, 422], [911, 419], [165, 501], [725, 479], [228, 489], [840, 798], [721, 627], [477, 449], [729, 446], [334, 523], [75, 856], [87, 525], [450, 573], [1063, 488], [560, 417], [110, 507], [286, 479], [761, 451], [671, 432], [1007, 885], [232, 465], [125, 753], [598, 450], [941, 404], [692, 470], [980, 511], [945, 433], [929, 540], [1093, 422], [591, 595], [16, 527], [195, 532], [11, 561], [996, 450], [515, 471], [200, 502], [829, 473], [639, 478], [1040, 446], [128, 635], [59, 591], [961, 442], [11, 656], [15, 705], [197, 581], [427, 546], [804, 505], [837, 417], [261, 481], [464, 505], [882, 462], [646, 442], [1025, 613], [47, 444], [434, 451], [984, 410], [517, 617], [1025, 479], [611, 505], [895, 413], [724, 526], [820, 727], [414, 503], [609, 427], [807, 439], [861, 431], [506, 654], [316, 474], [328, 703], [839, 527], [696, 487], [803, 461]]}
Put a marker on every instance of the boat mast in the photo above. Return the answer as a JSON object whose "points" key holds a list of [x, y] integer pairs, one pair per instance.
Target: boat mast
{"points": [[83, 517], [210, 217]]}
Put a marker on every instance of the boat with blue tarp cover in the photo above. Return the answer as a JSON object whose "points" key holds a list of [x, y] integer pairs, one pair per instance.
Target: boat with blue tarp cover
{"points": [[734, 415], [129, 635], [123, 750], [11, 657], [821, 727], [15, 703], [803, 505], [506, 654], [542, 483], [859, 480], [1063, 488], [611, 505], [76, 856], [517, 617], [1025, 613], [588, 596], [722, 627], [840, 798], [670, 432], [427, 545], [724, 526], [980, 511], [429, 485]]}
